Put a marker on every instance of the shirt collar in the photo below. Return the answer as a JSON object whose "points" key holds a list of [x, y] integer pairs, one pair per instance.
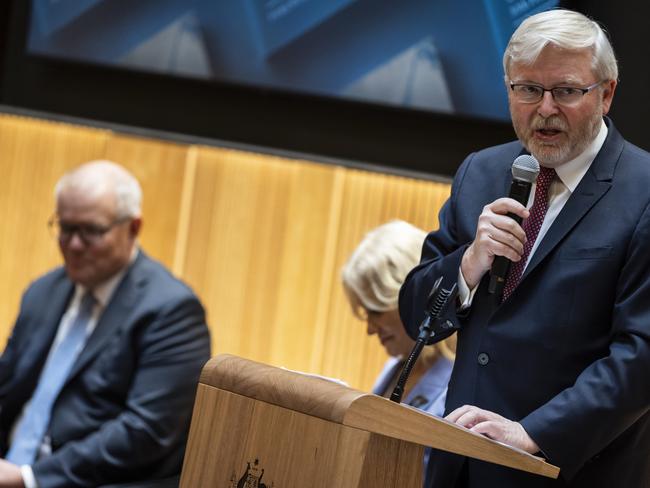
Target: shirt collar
{"points": [[571, 172]]}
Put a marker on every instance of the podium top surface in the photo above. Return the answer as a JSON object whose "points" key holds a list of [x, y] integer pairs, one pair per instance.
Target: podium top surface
{"points": [[328, 400], [303, 393]]}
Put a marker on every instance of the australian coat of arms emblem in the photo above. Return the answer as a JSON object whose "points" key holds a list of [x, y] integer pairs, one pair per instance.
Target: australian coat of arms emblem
{"points": [[252, 477]]}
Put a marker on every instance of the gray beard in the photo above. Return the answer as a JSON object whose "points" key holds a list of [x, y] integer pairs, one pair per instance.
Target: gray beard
{"points": [[556, 155]]}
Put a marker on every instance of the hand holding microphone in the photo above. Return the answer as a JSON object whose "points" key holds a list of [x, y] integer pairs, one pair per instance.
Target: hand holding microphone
{"points": [[499, 237]]}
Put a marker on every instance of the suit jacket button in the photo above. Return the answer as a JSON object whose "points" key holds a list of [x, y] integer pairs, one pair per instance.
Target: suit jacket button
{"points": [[483, 359]]}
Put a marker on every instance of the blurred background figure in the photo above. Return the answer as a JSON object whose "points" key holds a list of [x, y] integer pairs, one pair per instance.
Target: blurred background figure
{"points": [[372, 278], [97, 381]]}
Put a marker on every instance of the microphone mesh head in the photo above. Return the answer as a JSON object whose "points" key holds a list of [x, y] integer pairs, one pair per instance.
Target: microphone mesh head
{"points": [[525, 168]]}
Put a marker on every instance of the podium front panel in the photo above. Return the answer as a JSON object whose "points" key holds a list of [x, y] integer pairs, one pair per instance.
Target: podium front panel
{"points": [[240, 442]]}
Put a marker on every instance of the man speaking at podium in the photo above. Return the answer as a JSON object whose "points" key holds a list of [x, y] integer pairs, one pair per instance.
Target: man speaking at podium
{"points": [[557, 363], [98, 379]]}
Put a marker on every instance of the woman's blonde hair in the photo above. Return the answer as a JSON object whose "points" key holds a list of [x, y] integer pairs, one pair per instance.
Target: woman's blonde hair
{"points": [[374, 273]]}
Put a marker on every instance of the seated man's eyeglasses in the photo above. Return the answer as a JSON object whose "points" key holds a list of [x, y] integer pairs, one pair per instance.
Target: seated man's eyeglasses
{"points": [[89, 233], [563, 95]]}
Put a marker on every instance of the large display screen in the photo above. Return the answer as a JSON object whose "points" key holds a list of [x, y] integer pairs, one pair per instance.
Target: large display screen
{"points": [[431, 55]]}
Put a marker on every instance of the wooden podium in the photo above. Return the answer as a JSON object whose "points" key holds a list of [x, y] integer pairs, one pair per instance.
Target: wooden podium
{"points": [[257, 426]]}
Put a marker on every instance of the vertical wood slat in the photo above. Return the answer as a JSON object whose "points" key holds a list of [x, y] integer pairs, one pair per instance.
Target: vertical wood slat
{"points": [[261, 239], [329, 280], [260, 226], [160, 168], [180, 253]]}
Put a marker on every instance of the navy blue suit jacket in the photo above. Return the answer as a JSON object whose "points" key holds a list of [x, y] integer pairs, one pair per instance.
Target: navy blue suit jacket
{"points": [[568, 353], [123, 414]]}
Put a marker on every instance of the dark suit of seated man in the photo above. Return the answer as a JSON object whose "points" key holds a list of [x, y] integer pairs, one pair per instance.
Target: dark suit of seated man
{"points": [[97, 381]]}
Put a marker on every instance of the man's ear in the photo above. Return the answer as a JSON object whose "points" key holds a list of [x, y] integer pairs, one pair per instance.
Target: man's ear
{"points": [[609, 87], [134, 227]]}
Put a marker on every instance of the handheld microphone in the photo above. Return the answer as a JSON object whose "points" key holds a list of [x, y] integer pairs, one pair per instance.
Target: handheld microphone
{"points": [[525, 169]]}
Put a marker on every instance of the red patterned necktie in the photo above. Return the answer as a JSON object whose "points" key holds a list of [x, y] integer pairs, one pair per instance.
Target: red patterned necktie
{"points": [[531, 226]]}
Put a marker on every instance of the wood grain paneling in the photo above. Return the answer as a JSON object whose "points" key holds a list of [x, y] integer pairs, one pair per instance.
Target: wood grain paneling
{"points": [[160, 169], [368, 200], [261, 239], [33, 155], [258, 237]]}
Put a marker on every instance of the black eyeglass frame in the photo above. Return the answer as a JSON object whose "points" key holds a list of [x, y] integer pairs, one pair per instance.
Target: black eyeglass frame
{"points": [[554, 91], [89, 233]]}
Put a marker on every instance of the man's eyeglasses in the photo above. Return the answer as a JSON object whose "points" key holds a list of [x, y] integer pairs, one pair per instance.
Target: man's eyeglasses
{"points": [[89, 233], [563, 95]]}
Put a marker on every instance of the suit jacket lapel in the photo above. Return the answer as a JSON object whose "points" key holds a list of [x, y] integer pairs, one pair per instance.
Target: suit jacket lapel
{"points": [[592, 187], [115, 316]]}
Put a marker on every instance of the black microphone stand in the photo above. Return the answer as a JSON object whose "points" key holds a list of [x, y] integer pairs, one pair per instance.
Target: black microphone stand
{"points": [[436, 303]]}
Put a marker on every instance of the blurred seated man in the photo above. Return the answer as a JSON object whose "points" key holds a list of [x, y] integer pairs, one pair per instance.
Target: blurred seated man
{"points": [[97, 381], [372, 278]]}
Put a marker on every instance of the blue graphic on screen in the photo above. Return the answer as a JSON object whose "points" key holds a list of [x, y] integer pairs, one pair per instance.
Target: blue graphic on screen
{"points": [[433, 55]]}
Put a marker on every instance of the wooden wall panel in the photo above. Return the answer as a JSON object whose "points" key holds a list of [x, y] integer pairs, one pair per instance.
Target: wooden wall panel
{"points": [[258, 235], [369, 199], [34, 154], [160, 169], [261, 239]]}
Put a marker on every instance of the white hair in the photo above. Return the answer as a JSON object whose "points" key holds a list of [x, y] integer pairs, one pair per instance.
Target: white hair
{"points": [[378, 266], [99, 177], [565, 29]]}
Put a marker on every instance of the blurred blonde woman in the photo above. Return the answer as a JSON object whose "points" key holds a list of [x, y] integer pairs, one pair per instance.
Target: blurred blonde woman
{"points": [[372, 278]]}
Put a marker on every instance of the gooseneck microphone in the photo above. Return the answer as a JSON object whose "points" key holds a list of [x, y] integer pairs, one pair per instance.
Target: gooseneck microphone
{"points": [[439, 299], [524, 173]]}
